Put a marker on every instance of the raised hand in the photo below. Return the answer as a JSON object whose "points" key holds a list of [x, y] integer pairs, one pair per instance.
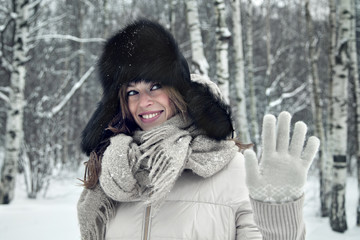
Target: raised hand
{"points": [[281, 174]]}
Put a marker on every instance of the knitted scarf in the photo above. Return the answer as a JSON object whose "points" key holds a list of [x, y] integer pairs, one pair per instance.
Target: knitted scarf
{"points": [[145, 166]]}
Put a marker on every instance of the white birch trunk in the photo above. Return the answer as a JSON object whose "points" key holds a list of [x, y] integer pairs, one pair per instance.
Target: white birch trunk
{"points": [[241, 123], [339, 133], [14, 122], [254, 127], [332, 23], [325, 162], [199, 63], [222, 43]]}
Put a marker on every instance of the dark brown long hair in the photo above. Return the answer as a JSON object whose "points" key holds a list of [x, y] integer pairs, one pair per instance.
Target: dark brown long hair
{"points": [[124, 123]]}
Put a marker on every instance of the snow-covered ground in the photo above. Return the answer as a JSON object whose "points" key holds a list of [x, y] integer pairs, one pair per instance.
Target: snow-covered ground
{"points": [[319, 228], [54, 216]]}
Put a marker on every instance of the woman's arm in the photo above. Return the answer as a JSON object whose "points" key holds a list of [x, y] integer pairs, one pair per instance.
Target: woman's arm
{"points": [[276, 184], [280, 221]]}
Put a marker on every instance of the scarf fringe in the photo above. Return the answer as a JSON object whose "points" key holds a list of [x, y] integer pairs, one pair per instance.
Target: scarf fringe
{"points": [[93, 218]]}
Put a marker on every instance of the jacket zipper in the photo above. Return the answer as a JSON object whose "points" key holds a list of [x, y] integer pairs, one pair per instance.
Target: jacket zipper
{"points": [[147, 223]]}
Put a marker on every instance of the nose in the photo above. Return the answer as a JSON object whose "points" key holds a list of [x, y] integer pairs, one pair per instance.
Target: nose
{"points": [[145, 99]]}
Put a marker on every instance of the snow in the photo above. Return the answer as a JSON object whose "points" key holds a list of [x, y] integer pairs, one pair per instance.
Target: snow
{"points": [[319, 228], [50, 217], [53, 216]]}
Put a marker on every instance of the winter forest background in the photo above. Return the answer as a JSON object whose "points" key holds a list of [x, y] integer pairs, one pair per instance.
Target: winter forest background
{"points": [[266, 55]]}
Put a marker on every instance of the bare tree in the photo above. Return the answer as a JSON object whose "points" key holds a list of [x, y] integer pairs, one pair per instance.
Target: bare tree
{"points": [[199, 63], [325, 163], [254, 129], [269, 56], [340, 115], [22, 15], [222, 44], [241, 123]]}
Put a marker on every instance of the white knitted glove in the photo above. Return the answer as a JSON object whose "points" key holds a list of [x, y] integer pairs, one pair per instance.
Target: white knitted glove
{"points": [[281, 174]]}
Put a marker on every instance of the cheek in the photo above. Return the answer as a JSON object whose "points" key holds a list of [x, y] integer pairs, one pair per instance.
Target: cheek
{"points": [[170, 107], [132, 108]]}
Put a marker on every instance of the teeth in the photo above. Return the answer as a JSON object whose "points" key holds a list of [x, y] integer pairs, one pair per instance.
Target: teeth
{"points": [[147, 116]]}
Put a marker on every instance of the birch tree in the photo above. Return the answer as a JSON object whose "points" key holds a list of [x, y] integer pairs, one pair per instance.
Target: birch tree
{"points": [[339, 123], [241, 123], [254, 129], [331, 71], [199, 64], [23, 14], [222, 43], [325, 163]]}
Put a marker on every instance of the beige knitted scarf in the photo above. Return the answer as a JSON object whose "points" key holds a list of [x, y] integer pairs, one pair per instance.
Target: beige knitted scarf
{"points": [[144, 167]]}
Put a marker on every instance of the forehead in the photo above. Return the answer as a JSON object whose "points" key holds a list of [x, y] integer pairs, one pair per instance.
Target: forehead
{"points": [[139, 84]]}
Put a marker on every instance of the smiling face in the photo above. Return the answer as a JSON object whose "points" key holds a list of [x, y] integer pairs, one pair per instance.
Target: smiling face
{"points": [[149, 104]]}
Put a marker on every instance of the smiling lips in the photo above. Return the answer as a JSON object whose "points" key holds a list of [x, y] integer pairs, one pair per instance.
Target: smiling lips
{"points": [[150, 116]]}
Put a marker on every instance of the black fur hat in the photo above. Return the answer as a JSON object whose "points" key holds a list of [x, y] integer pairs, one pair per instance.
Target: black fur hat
{"points": [[144, 50]]}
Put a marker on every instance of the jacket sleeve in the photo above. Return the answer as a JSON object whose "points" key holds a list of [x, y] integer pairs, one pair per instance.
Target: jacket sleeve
{"points": [[280, 221], [246, 228]]}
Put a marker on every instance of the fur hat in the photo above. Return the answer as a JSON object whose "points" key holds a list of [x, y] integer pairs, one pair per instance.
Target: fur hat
{"points": [[144, 50]]}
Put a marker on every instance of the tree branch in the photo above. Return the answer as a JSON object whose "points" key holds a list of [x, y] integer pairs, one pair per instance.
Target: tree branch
{"points": [[287, 95], [67, 97], [67, 37], [3, 96]]}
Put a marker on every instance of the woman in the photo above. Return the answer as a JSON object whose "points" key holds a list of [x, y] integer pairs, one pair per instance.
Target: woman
{"points": [[161, 165]]}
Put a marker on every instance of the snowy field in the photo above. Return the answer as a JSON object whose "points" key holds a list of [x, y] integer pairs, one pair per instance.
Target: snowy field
{"points": [[54, 216]]}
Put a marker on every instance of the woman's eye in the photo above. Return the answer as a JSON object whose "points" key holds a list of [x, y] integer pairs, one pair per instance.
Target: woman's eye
{"points": [[131, 93], [156, 86]]}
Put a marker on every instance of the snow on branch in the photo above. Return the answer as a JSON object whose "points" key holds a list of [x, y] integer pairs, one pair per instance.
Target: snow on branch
{"points": [[5, 64], [34, 4], [68, 96], [275, 83], [46, 23], [3, 96], [287, 95], [67, 37]]}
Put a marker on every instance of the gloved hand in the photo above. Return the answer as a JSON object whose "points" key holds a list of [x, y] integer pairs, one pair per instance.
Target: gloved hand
{"points": [[281, 174]]}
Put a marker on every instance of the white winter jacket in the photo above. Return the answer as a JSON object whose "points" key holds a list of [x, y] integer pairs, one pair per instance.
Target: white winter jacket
{"points": [[216, 208]]}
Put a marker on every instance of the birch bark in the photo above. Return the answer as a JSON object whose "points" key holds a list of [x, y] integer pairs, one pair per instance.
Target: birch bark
{"points": [[325, 163], [339, 103], [199, 63], [222, 43], [241, 123], [14, 122]]}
